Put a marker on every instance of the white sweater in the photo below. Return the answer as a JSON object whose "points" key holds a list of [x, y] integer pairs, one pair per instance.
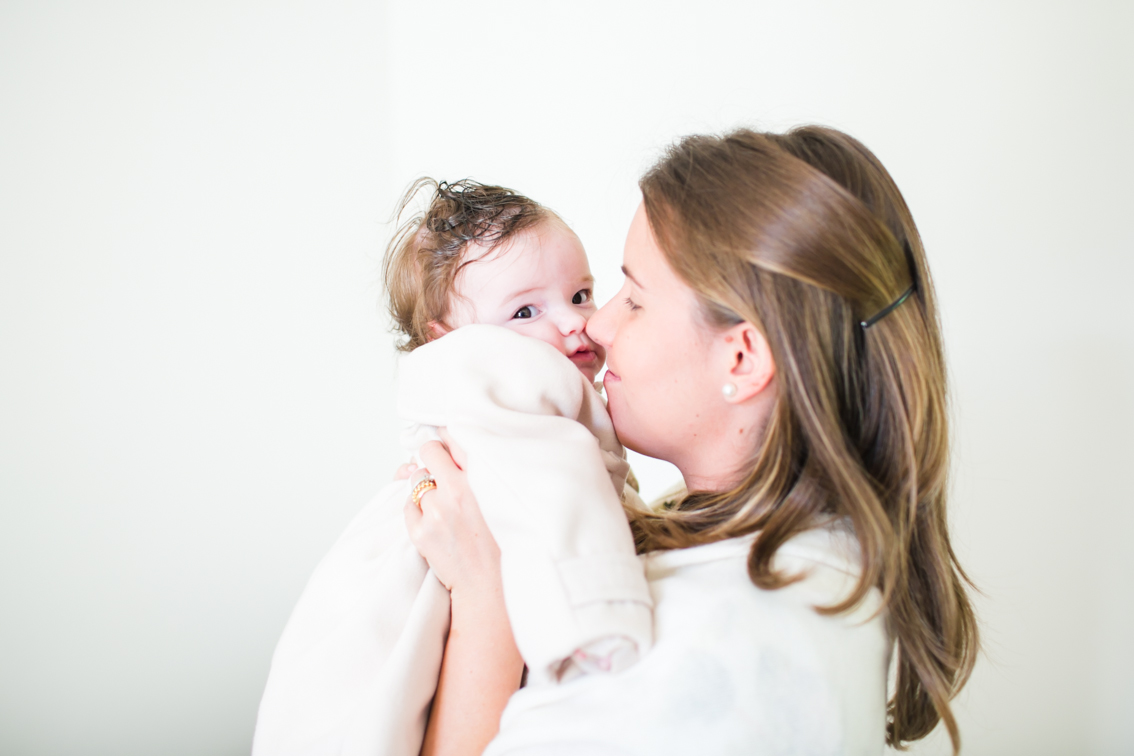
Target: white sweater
{"points": [[734, 669], [358, 662]]}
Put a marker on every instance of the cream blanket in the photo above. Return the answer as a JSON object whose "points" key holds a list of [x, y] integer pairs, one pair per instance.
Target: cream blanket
{"points": [[357, 665]]}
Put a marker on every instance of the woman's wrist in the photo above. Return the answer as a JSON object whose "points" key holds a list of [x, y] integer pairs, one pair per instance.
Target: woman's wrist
{"points": [[478, 594], [480, 671], [477, 577]]}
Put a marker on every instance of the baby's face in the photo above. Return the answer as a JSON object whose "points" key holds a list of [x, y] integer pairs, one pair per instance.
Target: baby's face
{"points": [[539, 284]]}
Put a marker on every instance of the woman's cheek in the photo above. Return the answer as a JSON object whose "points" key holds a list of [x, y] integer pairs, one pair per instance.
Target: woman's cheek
{"points": [[628, 395]]}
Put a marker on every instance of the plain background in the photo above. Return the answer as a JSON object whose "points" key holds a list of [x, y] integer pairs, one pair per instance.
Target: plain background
{"points": [[195, 376]]}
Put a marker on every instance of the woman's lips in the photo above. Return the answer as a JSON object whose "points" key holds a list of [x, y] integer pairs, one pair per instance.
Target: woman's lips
{"points": [[610, 377]]}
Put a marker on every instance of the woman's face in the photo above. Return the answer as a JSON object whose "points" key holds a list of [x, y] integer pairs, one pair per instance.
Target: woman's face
{"points": [[662, 394]]}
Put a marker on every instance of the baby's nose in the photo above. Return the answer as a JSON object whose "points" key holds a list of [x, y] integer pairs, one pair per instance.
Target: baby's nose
{"points": [[571, 323]]}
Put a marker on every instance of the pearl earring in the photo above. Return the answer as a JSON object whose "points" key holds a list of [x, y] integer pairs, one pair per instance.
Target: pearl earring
{"points": [[729, 390]]}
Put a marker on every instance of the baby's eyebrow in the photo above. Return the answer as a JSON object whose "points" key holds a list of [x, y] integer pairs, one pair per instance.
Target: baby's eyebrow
{"points": [[523, 293]]}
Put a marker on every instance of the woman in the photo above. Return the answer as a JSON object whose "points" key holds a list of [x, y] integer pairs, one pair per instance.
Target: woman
{"points": [[777, 340]]}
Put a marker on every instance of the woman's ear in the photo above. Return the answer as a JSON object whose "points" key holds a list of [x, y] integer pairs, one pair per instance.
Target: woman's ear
{"points": [[438, 329], [748, 364]]}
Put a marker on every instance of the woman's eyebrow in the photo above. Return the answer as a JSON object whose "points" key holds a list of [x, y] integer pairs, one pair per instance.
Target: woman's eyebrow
{"points": [[630, 275]]}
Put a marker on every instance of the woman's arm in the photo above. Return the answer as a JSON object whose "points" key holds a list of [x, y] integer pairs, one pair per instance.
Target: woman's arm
{"points": [[480, 671], [482, 666]]}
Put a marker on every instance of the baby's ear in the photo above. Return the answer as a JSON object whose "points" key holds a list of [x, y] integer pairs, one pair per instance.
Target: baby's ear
{"points": [[438, 329]]}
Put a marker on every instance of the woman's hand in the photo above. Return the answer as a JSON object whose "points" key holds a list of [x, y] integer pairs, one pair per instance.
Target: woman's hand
{"points": [[448, 529], [405, 471], [482, 666]]}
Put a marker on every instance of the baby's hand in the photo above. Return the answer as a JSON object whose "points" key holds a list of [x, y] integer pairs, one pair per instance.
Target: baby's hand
{"points": [[405, 471]]}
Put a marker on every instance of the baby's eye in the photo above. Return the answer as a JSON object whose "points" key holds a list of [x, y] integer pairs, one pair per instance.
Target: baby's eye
{"points": [[581, 297], [524, 312]]}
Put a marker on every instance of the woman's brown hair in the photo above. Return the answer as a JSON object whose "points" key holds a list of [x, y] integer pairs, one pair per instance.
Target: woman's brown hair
{"points": [[428, 250], [806, 236]]}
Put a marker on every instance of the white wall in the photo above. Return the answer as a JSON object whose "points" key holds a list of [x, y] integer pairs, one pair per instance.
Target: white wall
{"points": [[191, 359], [194, 375]]}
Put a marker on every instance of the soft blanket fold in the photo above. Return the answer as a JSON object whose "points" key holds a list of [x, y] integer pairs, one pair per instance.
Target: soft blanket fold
{"points": [[357, 665]]}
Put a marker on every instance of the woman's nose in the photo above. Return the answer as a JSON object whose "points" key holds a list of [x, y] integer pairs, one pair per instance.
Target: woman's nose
{"points": [[601, 325]]}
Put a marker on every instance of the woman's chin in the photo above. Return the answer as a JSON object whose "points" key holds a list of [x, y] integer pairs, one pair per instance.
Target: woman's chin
{"points": [[614, 405]]}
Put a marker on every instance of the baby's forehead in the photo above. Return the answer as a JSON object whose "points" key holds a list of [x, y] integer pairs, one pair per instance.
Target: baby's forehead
{"points": [[533, 252], [548, 259], [533, 238]]}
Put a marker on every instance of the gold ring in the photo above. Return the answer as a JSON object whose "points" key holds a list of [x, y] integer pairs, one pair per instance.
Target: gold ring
{"points": [[426, 484]]}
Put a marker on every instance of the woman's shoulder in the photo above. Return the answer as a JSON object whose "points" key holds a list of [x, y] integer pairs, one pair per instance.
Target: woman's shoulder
{"points": [[776, 642], [734, 668], [826, 557], [822, 561]]}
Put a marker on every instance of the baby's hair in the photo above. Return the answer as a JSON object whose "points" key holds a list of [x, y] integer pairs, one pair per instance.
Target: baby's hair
{"points": [[428, 250]]}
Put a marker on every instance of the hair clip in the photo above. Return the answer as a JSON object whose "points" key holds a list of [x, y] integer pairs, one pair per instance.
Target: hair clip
{"points": [[888, 309]]}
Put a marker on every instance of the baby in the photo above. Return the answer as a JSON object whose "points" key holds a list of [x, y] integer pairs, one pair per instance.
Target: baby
{"points": [[484, 254], [357, 666]]}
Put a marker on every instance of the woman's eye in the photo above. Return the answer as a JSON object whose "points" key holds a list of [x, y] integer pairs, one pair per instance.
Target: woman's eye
{"points": [[524, 312], [581, 297], [631, 305]]}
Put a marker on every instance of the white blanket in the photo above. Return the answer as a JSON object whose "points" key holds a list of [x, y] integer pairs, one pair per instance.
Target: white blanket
{"points": [[357, 665]]}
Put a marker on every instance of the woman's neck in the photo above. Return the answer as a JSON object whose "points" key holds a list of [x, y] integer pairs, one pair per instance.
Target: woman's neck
{"points": [[708, 483], [723, 459], [714, 467]]}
